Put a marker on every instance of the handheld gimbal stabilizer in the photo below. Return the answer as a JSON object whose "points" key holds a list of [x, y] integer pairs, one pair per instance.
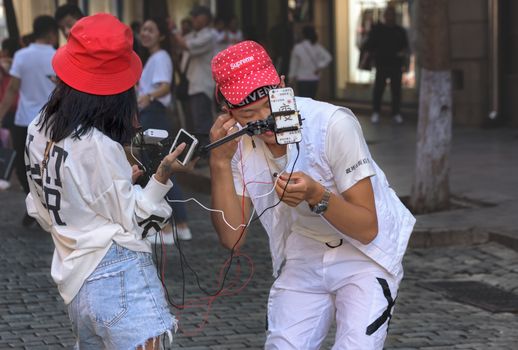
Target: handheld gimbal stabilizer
{"points": [[252, 128]]}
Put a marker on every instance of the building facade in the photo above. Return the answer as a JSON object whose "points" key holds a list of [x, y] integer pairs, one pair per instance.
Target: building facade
{"points": [[483, 44]]}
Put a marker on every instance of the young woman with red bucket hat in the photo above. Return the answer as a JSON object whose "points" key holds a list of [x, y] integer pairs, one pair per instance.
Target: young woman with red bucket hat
{"points": [[82, 192]]}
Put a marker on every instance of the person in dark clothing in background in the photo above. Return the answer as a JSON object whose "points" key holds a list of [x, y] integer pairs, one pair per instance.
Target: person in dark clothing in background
{"points": [[388, 44]]}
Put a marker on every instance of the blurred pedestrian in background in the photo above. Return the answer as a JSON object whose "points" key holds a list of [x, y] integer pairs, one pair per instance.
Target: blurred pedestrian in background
{"points": [[308, 59], [200, 46], [185, 26], [220, 35], [154, 88], [226, 33], [9, 47], [387, 44], [32, 76], [181, 63], [154, 100], [235, 34]]}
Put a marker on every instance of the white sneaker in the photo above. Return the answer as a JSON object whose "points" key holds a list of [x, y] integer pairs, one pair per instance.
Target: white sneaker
{"points": [[398, 119], [375, 118], [167, 238], [184, 233], [4, 185]]}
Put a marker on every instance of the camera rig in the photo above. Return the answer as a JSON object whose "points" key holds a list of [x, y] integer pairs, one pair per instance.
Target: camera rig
{"points": [[259, 127], [150, 154]]}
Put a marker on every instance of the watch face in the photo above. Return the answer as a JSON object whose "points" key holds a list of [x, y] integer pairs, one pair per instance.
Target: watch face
{"points": [[319, 208]]}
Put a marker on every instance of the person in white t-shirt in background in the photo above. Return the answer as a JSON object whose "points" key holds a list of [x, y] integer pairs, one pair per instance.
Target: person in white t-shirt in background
{"points": [[226, 33], [154, 98], [33, 78], [308, 58], [200, 46]]}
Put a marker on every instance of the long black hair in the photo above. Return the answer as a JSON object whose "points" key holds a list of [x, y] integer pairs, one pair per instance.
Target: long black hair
{"points": [[70, 112]]}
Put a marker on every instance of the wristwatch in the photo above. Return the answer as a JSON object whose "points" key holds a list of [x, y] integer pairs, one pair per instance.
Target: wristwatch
{"points": [[151, 97], [321, 206]]}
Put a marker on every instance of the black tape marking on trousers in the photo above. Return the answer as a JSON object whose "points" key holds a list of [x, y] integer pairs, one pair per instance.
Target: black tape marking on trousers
{"points": [[387, 314]]}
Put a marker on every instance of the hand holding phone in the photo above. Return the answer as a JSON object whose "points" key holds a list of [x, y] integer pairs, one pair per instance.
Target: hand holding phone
{"points": [[167, 165], [190, 144]]}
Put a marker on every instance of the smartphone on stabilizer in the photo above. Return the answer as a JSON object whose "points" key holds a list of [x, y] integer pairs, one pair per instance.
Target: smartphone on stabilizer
{"points": [[287, 118]]}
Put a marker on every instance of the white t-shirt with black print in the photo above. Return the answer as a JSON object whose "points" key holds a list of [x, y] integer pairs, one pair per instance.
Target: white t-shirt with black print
{"points": [[86, 200]]}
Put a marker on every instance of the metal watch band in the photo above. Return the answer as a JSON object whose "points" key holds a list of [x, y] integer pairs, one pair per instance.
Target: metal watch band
{"points": [[322, 205]]}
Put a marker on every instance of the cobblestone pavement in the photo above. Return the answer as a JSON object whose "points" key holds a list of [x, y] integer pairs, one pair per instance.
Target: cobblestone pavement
{"points": [[32, 315]]}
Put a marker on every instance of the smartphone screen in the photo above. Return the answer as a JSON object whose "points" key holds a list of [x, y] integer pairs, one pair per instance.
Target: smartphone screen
{"points": [[287, 120], [190, 143]]}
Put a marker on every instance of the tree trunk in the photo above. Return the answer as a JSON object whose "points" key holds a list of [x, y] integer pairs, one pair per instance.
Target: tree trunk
{"points": [[430, 191], [12, 24]]}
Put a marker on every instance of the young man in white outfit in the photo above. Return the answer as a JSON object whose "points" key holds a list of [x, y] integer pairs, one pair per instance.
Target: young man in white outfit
{"points": [[337, 231]]}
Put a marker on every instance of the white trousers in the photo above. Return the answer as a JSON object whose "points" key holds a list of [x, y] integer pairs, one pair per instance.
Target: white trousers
{"points": [[319, 283]]}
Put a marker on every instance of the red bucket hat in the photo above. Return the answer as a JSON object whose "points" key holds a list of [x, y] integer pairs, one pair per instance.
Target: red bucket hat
{"points": [[98, 57], [241, 69]]}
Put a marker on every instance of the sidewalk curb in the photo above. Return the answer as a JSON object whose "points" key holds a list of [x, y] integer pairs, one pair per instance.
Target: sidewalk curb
{"points": [[468, 236], [506, 239], [427, 238]]}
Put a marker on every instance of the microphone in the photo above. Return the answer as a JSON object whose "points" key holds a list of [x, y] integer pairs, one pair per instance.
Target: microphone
{"points": [[150, 137], [154, 136]]}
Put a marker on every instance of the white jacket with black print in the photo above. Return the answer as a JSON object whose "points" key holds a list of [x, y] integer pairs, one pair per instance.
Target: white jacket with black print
{"points": [[395, 222], [88, 201]]}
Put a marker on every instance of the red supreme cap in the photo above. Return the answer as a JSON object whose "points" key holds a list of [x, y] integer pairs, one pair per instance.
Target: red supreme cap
{"points": [[241, 69]]}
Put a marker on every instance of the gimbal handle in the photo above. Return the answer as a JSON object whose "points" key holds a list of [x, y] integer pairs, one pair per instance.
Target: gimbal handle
{"points": [[253, 128]]}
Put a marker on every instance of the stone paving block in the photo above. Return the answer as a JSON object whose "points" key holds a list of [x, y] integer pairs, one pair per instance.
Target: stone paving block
{"points": [[229, 346], [422, 317]]}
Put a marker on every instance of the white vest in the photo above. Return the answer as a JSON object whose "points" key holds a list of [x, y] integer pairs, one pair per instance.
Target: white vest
{"points": [[395, 222]]}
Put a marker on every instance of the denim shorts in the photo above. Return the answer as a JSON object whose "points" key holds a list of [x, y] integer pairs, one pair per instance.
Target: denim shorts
{"points": [[121, 304]]}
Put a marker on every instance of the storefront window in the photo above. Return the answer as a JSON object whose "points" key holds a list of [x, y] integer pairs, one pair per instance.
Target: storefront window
{"points": [[354, 19], [363, 15], [3, 23]]}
